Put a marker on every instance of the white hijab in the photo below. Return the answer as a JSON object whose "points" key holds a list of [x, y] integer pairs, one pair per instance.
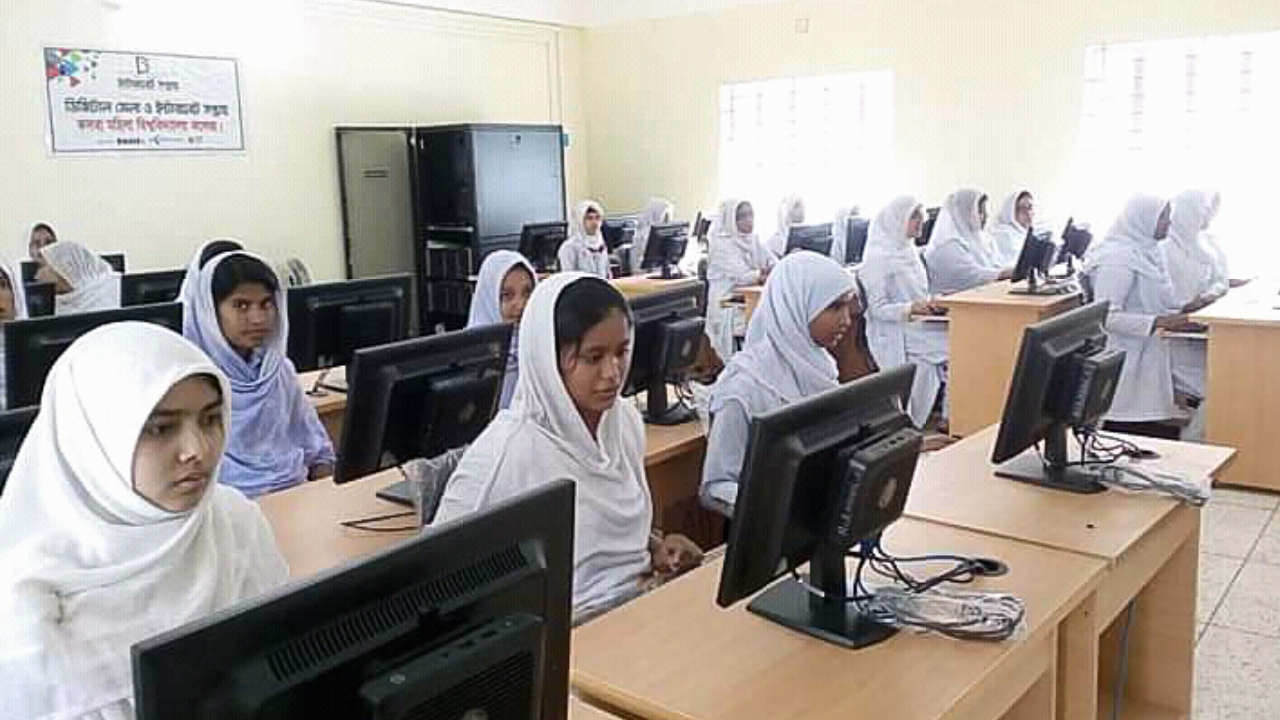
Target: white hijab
{"points": [[779, 354], [486, 308], [889, 249], [959, 222], [577, 231], [778, 241], [94, 285], [542, 437], [1131, 243], [655, 212], [1007, 232], [88, 567], [1188, 257]]}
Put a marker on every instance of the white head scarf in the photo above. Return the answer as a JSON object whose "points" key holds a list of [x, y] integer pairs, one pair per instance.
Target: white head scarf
{"points": [[655, 212], [88, 566], [1131, 242], [543, 437], [778, 241], [889, 249], [187, 293], [959, 221], [94, 285], [1188, 256], [1009, 212], [486, 308], [577, 230]]}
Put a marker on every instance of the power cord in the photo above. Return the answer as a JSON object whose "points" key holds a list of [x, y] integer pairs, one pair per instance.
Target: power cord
{"points": [[363, 523], [1122, 669]]}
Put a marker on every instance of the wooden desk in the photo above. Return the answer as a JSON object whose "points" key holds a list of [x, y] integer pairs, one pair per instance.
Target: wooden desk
{"points": [[984, 338], [639, 285], [1243, 385], [579, 710], [1150, 545], [675, 654], [751, 295], [330, 405]]}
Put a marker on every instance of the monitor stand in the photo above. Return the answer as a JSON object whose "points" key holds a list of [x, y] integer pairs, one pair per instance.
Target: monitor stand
{"points": [[667, 272], [831, 618], [660, 411], [1052, 471], [1036, 287]]}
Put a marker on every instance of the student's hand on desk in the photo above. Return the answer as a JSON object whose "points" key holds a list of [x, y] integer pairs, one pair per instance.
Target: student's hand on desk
{"points": [[926, 307], [1199, 303], [1179, 323], [322, 470], [674, 554]]}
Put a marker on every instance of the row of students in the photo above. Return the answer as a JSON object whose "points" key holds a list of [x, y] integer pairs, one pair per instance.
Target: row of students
{"points": [[585, 250]]}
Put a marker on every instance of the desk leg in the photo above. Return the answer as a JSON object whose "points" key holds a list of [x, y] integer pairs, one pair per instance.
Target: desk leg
{"points": [[1078, 662], [674, 485]]}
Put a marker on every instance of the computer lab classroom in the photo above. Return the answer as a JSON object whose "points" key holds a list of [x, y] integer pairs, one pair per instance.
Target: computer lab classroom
{"points": [[643, 359]]}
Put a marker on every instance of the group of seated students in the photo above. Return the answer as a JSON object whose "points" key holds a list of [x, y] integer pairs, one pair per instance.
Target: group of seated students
{"points": [[126, 511]]}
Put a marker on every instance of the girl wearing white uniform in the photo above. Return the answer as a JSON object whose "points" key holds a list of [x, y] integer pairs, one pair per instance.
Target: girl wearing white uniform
{"points": [[804, 313], [113, 527], [506, 281], [1193, 267], [790, 212], [13, 306], [897, 296], [658, 211], [1017, 213], [735, 258], [83, 281], [1127, 270], [961, 255], [565, 422], [839, 232], [585, 250], [1222, 271]]}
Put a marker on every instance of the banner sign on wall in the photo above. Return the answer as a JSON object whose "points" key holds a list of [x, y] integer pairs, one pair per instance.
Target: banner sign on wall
{"points": [[107, 101]]}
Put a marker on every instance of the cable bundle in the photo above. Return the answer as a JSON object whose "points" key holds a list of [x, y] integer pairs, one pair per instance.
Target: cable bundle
{"points": [[1109, 457]]}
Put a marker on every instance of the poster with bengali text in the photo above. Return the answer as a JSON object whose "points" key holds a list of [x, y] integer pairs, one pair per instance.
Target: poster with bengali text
{"points": [[109, 101]]}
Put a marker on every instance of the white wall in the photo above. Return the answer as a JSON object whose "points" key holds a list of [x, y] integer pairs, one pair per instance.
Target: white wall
{"points": [[305, 66]]}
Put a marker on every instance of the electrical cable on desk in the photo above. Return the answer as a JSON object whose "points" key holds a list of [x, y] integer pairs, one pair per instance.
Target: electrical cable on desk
{"points": [[362, 523], [1110, 463]]}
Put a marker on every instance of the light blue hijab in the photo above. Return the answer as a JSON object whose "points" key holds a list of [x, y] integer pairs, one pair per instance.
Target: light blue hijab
{"points": [[275, 435]]}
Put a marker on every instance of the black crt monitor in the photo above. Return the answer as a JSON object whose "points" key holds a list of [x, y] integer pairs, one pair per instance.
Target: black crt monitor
{"points": [[32, 346], [855, 239], [146, 288], [419, 398], [540, 244], [14, 425], [329, 321], [666, 246], [469, 620], [820, 476], [1065, 378], [115, 260], [40, 299], [817, 238], [668, 333]]}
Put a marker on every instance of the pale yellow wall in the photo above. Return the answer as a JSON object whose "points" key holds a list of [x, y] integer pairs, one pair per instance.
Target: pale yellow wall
{"points": [[304, 67], [987, 93]]}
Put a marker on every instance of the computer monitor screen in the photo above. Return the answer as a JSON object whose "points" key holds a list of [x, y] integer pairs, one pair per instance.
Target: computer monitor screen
{"points": [[14, 425], [147, 288], [666, 245], [1036, 257], [1075, 242], [40, 299], [32, 346], [820, 475], [29, 267], [469, 620], [817, 238], [329, 321], [926, 231], [618, 230], [1065, 378], [855, 239], [420, 398], [668, 333], [540, 243], [701, 226]]}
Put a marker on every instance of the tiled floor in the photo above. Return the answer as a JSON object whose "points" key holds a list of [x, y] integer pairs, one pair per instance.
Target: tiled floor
{"points": [[1238, 650]]}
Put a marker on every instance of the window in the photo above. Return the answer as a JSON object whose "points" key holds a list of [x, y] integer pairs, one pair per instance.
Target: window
{"points": [[1174, 114], [828, 139]]}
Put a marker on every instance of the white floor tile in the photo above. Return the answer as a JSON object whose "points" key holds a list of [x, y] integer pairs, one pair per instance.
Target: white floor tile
{"points": [[1216, 573], [1252, 603], [1237, 676], [1231, 530]]}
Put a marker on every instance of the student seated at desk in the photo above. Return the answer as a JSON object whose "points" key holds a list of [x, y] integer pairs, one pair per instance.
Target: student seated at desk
{"points": [[1127, 270], [804, 314], [41, 236], [83, 282], [897, 298], [735, 258], [113, 527], [276, 439], [658, 211], [566, 422], [961, 255], [13, 306], [584, 250], [1017, 213], [790, 212], [502, 290], [839, 229]]}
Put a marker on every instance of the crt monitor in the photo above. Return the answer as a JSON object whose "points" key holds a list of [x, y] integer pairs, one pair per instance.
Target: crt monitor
{"points": [[14, 425], [540, 244], [146, 288], [469, 620], [40, 299], [32, 346], [668, 334], [817, 238], [855, 239], [329, 321], [1065, 378], [665, 247], [821, 475], [419, 398]]}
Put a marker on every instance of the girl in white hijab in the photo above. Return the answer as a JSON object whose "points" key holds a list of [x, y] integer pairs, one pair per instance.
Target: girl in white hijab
{"points": [[1127, 270], [1222, 271], [735, 258], [897, 296], [585, 250], [83, 281], [840, 231], [658, 211], [805, 312], [506, 281], [1192, 266], [13, 306], [113, 527], [790, 213], [566, 422], [190, 285], [961, 255], [1017, 213]]}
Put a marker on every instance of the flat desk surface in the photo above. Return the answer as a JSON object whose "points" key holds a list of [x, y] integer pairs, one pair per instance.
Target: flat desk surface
{"points": [[997, 293], [1256, 304], [957, 486], [579, 710], [637, 285], [675, 654], [323, 400]]}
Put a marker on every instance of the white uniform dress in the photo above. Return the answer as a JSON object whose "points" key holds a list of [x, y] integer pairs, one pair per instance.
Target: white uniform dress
{"points": [[960, 255], [1194, 272], [1008, 234], [582, 252], [734, 260]]}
